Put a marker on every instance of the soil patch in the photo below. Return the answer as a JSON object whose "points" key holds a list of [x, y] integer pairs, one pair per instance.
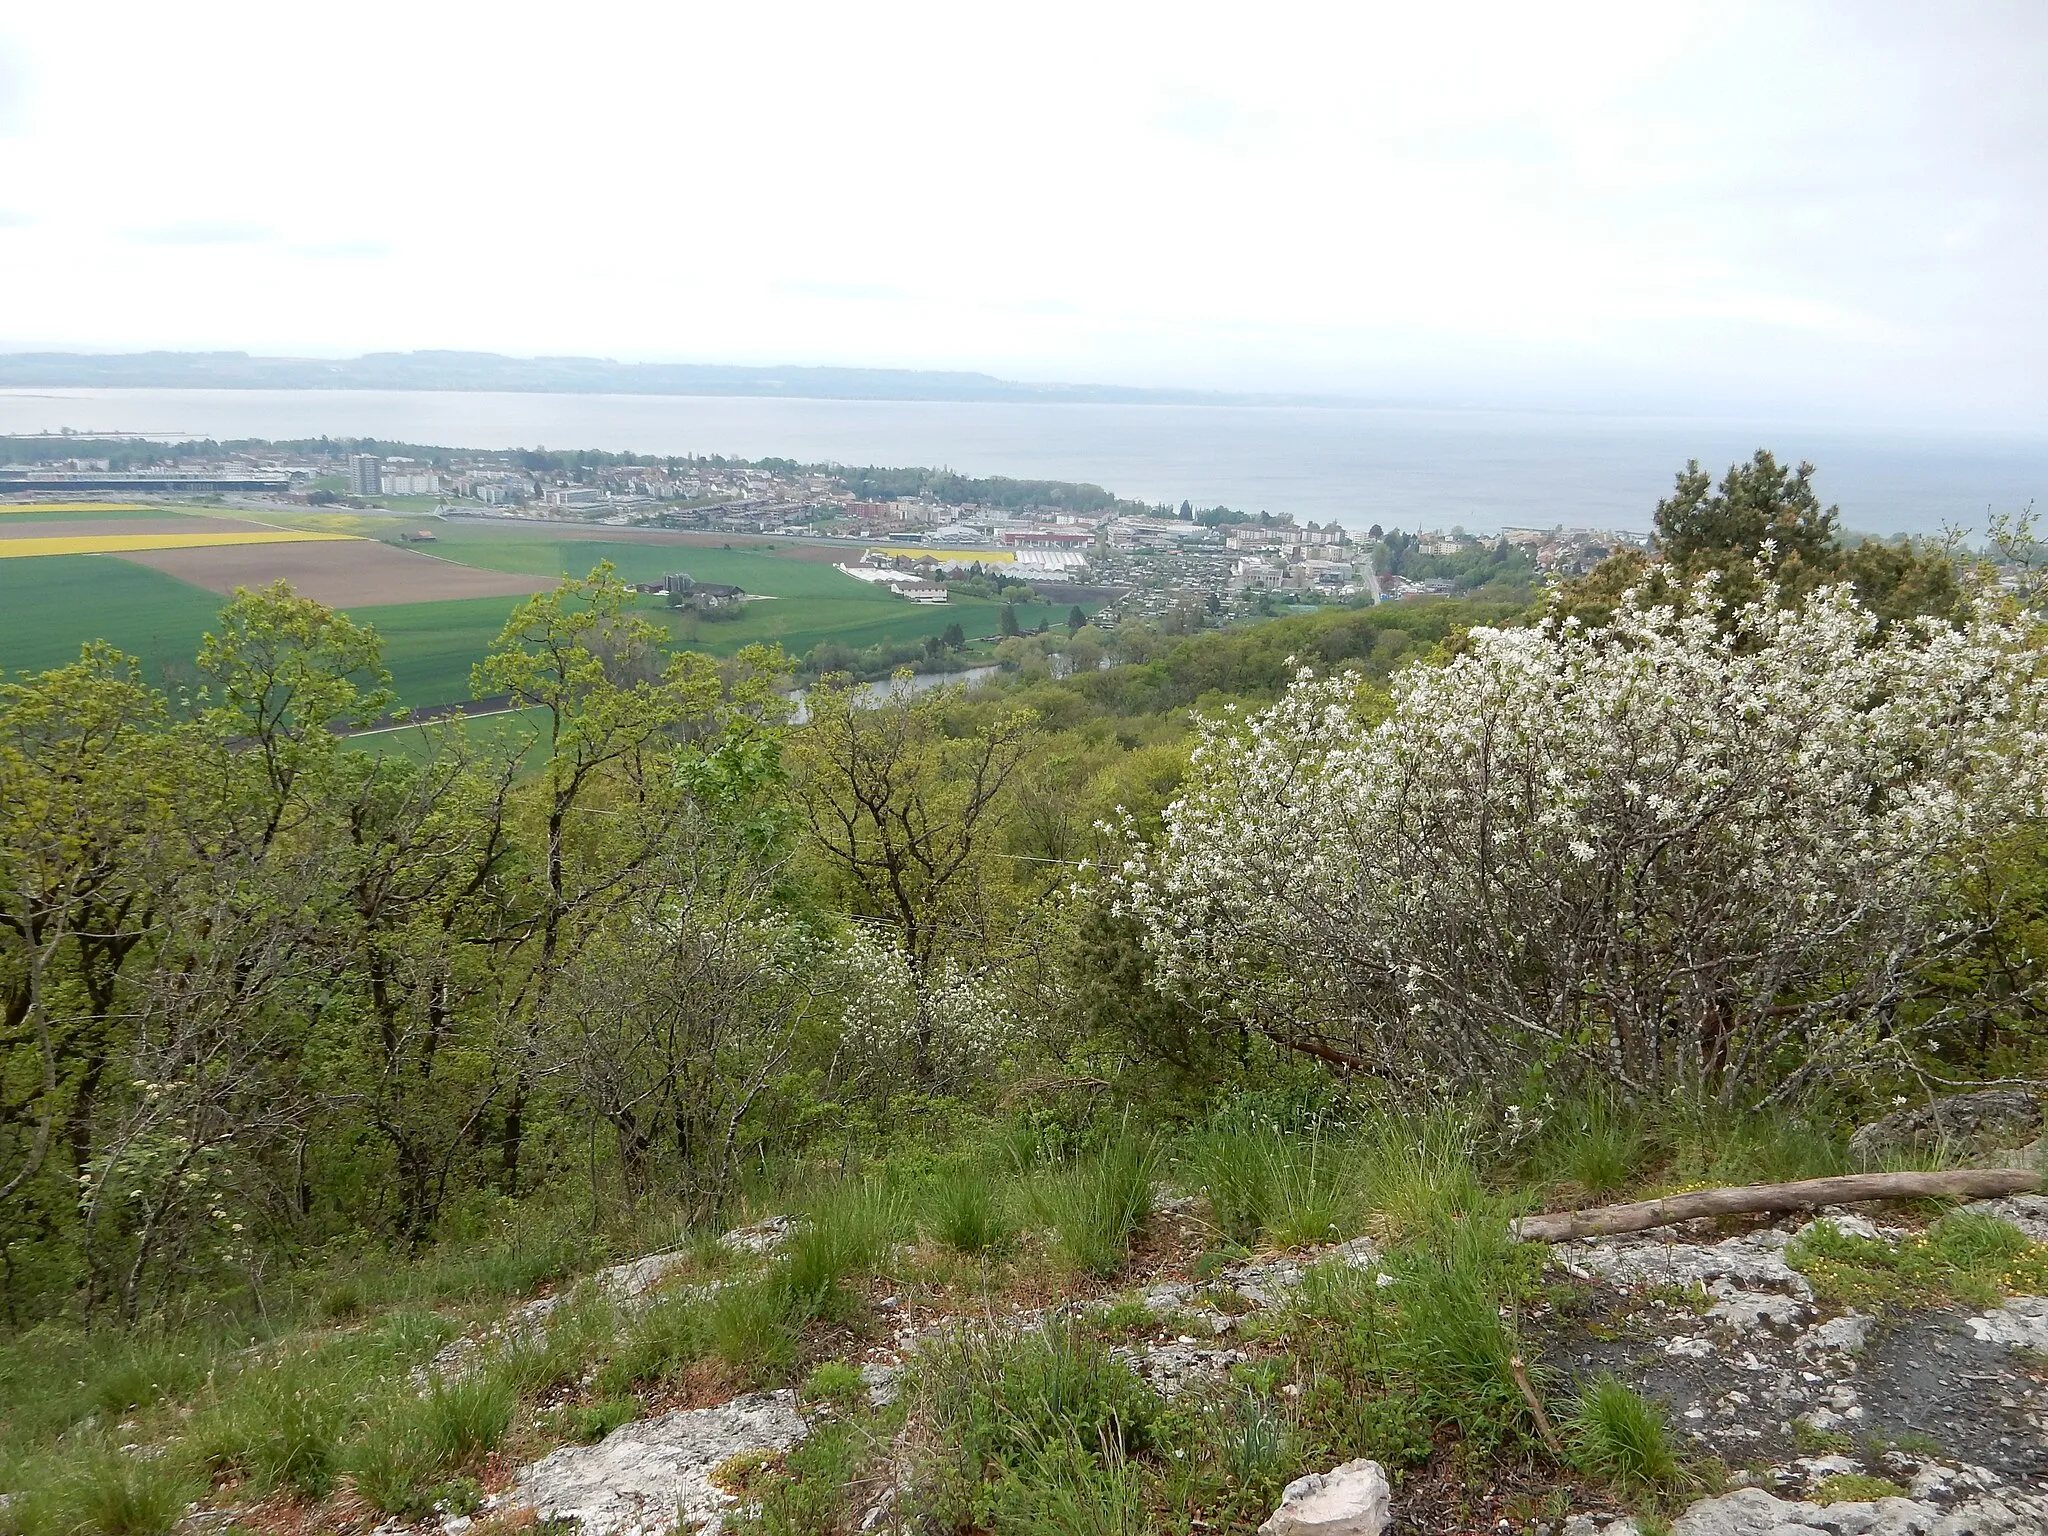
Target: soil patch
{"points": [[354, 573]]}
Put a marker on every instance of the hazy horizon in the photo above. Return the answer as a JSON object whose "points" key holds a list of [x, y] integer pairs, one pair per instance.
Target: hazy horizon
{"points": [[1819, 211]]}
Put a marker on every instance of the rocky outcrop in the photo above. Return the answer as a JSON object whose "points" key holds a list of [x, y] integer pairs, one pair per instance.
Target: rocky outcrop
{"points": [[1351, 1500], [1739, 1266], [2021, 1323], [656, 1473], [1977, 1122], [1753, 1512]]}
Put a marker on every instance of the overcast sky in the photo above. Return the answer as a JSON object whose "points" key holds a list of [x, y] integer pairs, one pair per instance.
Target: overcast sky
{"points": [[1836, 210]]}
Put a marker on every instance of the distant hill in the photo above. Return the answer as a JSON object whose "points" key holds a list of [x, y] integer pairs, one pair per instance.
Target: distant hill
{"points": [[566, 375]]}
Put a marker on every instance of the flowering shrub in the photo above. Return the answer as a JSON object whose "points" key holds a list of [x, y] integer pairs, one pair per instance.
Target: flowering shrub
{"points": [[1680, 854], [899, 1029]]}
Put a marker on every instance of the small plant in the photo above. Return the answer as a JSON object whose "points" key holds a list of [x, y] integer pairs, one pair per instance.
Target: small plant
{"points": [[1809, 1441], [662, 1340], [1594, 1144], [342, 1301], [457, 1423], [1964, 1257], [280, 1427], [1291, 1187], [1854, 1488], [740, 1475], [141, 1375], [591, 1422], [410, 1336], [1254, 1443], [1123, 1319], [575, 1334], [390, 1474], [845, 1234], [837, 1383], [997, 1406], [407, 1451], [1619, 1435], [811, 1493], [457, 1496]]}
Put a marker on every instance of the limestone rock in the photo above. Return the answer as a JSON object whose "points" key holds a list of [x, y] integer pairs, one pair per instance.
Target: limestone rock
{"points": [[1994, 1117], [1752, 1512], [651, 1474], [761, 1237], [1351, 1500], [1754, 1262], [2022, 1322], [1848, 1334], [1747, 1311]]}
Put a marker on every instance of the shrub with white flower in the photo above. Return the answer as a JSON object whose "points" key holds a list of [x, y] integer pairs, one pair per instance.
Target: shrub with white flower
{"points": [[1683, 855], [950, 1026]]}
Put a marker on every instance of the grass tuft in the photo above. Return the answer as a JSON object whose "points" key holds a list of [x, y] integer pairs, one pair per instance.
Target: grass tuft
{"points": [[1619, 1435], [1292, 1188], [1854, 1488], [1964, 1257], [968, 1214], [405, 1453], [1097, 1204]]}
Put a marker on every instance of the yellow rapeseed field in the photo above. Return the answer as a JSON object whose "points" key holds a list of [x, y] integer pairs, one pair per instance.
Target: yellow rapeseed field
{"points": [[129, 543], [947, 556]]}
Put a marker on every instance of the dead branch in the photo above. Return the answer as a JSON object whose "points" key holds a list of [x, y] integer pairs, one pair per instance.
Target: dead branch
{"points": [[1802, 1195]]}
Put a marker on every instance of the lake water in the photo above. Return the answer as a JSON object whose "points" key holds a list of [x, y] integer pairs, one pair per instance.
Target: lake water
{"points": [[1398, 467]]}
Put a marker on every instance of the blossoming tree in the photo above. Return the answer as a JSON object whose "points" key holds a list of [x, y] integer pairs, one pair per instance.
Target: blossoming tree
{"points": [[1680, 854]]}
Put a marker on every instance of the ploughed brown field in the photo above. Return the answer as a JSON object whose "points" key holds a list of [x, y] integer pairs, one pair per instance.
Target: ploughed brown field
{"points": [[353, 573]]}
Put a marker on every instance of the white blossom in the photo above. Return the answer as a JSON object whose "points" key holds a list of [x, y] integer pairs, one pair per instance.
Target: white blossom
{"points": [[1679, 853]]}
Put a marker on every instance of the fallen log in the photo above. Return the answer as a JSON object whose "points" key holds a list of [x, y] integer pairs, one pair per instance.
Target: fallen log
{"points": [[1801, 1195]]}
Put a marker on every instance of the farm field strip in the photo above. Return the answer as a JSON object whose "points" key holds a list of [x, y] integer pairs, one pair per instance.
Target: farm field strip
{"points": [[127, 543], [58, 508]]}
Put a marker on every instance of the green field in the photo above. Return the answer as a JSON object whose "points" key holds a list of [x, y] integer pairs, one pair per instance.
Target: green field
{"points": [[538, 554], [52, 604]]}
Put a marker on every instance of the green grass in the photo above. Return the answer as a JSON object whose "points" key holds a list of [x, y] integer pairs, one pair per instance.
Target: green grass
{"points": [[969, 1213], [539, 554], [1097, 1203], [1290, 1187], [403, 1456], [1963, 1257], [52, 605], [1619, 1435], [1855, 1488], [100, 1491]]}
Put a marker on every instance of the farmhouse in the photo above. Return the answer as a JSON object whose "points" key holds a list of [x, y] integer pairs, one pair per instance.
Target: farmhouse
{"points": [[712, 594]]}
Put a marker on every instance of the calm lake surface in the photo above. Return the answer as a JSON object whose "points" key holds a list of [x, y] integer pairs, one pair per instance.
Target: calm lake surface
{"points": [[1398, 467]]}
